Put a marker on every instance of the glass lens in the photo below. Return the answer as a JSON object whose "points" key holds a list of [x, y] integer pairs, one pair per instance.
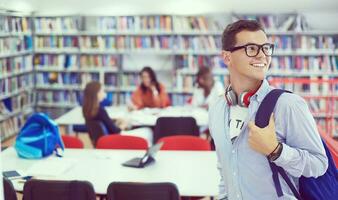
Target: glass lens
{"points": [[267, 49], [252, 50]]}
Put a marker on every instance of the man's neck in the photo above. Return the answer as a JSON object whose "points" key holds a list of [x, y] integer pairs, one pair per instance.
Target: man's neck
{"points": [[244, 85]]}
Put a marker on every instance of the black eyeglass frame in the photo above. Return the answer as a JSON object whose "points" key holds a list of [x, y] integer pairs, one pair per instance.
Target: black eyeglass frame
{"points": [[272, 46]]}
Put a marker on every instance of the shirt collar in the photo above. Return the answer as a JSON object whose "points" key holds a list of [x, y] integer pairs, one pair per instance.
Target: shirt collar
{"points": [[263, 90]]}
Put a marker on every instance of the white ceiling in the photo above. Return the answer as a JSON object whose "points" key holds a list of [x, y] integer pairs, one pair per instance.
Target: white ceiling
{"points": [[131, 7]]}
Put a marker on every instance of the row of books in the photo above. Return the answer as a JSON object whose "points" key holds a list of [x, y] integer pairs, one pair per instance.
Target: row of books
{"points": [[56, 60], [15, 103], [11, 45], [283, 42], [194, 62], [136, 23], [63, 78], [110, 79], [125, 42], [11, 126], [131, 79], [195, 23], [169, 42], [197, 43], [56, 42], [280, 22], [309, 64], [99, 61], [56, 24], [13, 24], [310, 86], [13, 84], [13, 65], [59, 97], [315, 42]]}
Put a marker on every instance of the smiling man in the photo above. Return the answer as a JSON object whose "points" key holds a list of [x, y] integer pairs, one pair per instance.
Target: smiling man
{"points": [[290, 140]]}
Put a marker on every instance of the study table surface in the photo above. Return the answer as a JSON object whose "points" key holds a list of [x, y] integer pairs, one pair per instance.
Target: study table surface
{"points": [[144, 117], [193, 172]]}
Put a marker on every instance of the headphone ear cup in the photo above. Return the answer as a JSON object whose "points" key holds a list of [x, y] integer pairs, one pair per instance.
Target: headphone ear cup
{"points": [[242, 101], [229, 97], [232, 95], [245, 99]]}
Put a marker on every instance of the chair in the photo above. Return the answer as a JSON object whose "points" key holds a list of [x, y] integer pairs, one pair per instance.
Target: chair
{"points": [[185, 142], [72, 142], [121, 142], [142, 191], [9, 191], [96, 129], [58, 190], [168, 126], [79, 128]]}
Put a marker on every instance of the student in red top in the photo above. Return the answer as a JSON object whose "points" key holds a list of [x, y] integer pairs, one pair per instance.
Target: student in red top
{"points": [[150, 93]]}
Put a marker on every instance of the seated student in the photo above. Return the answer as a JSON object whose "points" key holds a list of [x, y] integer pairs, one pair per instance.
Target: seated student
{"points": [[207, 88], [150, 93], [93, 94]]}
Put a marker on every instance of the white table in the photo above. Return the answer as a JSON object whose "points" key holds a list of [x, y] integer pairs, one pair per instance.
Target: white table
{"points": [[193, 172], [144, 117]]}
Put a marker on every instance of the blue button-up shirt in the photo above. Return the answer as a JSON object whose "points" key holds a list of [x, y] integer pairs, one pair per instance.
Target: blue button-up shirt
{"points": [[245, 173]]}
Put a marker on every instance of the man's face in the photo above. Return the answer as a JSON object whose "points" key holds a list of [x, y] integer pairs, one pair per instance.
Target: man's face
{"points": [[243, 67]]}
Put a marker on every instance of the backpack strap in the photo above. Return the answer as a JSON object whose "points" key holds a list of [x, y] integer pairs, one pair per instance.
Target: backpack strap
{"points": [[262, 120]]}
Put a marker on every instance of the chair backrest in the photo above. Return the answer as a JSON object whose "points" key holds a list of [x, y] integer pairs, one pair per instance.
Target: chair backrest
{"points": [[118, 141], [9, 191], [185, 142], [331, 144], [168, 126], [72, 142], [142, 191], [96, 129], [58, 190]]}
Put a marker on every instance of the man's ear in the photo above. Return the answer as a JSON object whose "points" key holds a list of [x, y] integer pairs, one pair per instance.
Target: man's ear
{"points": [[226, 57]]}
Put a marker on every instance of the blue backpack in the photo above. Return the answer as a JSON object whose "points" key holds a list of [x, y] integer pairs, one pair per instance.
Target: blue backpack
{"points": [[324, 187], [39, 137]]}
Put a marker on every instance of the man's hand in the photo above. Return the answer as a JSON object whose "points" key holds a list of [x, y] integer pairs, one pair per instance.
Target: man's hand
{"points": [[263, 140]]}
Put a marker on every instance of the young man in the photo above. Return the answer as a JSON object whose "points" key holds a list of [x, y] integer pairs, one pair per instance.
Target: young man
{"points": [[208, 89], [291, 139]]}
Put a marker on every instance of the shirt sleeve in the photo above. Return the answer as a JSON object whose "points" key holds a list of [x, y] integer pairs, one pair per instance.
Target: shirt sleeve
{"points": [[164, 98], [108, 122], [222, 190], [136, 98], [303, 152]]}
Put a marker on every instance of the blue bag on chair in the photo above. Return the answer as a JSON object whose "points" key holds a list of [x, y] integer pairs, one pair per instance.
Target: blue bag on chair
{"points": [[324, 187], [39, 137]]}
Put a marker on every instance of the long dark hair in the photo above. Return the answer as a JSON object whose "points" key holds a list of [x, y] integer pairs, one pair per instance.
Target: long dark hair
{"points": [[91, 103], [153, 79]]}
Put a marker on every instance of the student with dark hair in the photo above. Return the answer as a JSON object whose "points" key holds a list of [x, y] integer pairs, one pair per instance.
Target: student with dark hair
{"points": [[150, 93], [207, 88], [93, 94], [290, 140]]}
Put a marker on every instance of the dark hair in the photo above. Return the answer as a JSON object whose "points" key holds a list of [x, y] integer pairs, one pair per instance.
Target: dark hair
{"points": [[91, 103], [229, 34], [203, 71], [153, 79]]}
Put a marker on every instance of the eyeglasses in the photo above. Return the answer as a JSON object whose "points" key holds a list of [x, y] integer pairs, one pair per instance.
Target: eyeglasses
{"points": [[252, 50]]}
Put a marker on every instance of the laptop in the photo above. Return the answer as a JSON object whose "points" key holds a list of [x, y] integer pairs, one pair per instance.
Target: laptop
{"points": [[147, 159]]}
